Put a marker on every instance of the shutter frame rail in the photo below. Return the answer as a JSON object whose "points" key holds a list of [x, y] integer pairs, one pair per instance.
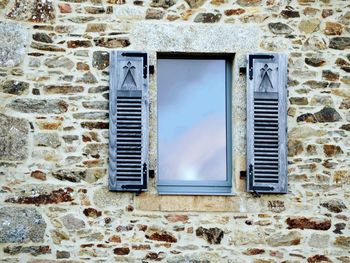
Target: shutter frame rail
{"points": [[250, 62], [267, 123], [128, 121]]}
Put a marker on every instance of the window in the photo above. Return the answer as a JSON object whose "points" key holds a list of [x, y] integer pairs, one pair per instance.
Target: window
{"points": [[194, 125]]}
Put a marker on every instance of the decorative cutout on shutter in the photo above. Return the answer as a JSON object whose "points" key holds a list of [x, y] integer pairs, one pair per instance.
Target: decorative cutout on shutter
{"points": [[128, 121], [266, 123]]}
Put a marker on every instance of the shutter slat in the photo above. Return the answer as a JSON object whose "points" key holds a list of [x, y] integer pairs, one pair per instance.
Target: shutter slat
{"points": [[128, 160], [266, 123]]}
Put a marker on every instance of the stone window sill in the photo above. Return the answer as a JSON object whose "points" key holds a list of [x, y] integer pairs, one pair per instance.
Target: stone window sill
{"points": [[187, 203]]}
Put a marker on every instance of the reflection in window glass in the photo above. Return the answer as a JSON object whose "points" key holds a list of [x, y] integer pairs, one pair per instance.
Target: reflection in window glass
{"points": [[191, 119]]}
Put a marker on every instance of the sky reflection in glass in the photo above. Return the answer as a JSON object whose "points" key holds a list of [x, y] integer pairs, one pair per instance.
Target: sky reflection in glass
{"points": [[191, 119]]}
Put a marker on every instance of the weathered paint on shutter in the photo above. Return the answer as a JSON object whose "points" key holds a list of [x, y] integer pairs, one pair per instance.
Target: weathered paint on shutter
{"points": [[267, 123], [128, 121]]}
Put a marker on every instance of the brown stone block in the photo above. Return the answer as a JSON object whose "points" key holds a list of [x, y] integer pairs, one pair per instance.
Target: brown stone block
{"points": [[327, 13], [110, 42], [115, 239], [64, 89], [95, 125], [39, 106], [207, 18], [292, 238], [155, 256], [161, 236], [94, 10], [54, 261], [310, 11], [253, 251], [79, 43], [42, 37], [334, 205], [311, 149], [142, 227], [96, 27], [345, 127], [46, 47], [92, 212], [38, 175], [81, 66], [33, 11], [141, 247], [280, 28], [33, 250], [117, 2], [318, 259], [309, 223], [162, 3], [315, 61], [46, 125], [340, 43], [234, 12], [342, 241], [298, 100], [327, 114], [345, 79], [121, 251], [295, 147], [341, 176], [333, 28], [153, 13], [62, 254], [177, 218], [65, 8], [57, 196], [212, 235], [307, 117], [93, 163], [249, 2], [69, 175], [332, 150], [305, 2], [290, 13], [316, 84], [309, 26], [330, 75], [195, 3], [124, 228], [100, 59]]}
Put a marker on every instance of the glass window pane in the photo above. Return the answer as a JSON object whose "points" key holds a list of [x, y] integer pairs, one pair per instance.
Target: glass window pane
{"points": [[191, 119]]}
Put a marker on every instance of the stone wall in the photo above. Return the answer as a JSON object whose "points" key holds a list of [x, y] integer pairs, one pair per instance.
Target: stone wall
{"points": [[55, 205]]}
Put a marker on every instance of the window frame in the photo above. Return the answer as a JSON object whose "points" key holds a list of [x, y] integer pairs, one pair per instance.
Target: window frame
{"points": [[203, 187]]}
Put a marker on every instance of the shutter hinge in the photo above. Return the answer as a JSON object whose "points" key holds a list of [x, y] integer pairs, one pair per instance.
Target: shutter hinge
{"points": [[242, 71], [256, 194], [151, 69], [138, 188], [151, 173], [255, 189], [251, 178], [144, 57], [250, 62]]}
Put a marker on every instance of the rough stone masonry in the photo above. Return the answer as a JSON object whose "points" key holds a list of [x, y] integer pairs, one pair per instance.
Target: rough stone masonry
{"points": [[54, 66]]}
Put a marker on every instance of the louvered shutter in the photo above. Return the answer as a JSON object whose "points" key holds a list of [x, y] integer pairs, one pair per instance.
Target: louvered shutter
{"points": [[128, 121], [266, 123]]}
